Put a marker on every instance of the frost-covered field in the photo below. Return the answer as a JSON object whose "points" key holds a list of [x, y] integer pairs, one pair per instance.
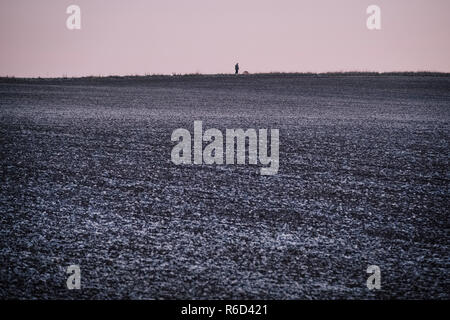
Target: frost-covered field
{"points": [[86, 179]]}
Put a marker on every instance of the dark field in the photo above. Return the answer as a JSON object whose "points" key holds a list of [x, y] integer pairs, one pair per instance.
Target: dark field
{"points": [[87, 179]]}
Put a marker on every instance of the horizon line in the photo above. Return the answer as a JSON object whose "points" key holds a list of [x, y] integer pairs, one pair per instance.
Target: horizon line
{"points": [[149, 75]]}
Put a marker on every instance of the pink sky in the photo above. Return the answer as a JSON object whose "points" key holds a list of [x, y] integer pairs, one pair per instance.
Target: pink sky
{"points": [[210, 36]]}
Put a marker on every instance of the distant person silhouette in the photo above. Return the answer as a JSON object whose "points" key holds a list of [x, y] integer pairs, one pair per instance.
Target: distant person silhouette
{"points": [[236, 68]]}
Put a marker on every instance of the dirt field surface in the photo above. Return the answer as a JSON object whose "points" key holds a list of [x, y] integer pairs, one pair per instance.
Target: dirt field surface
{"points": [[87, 179]]}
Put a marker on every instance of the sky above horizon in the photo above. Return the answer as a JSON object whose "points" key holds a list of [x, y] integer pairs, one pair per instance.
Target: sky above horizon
{"points": [[204, 36]]}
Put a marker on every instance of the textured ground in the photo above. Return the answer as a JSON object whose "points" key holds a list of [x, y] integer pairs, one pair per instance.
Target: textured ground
{"points": [[86, 179]]}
